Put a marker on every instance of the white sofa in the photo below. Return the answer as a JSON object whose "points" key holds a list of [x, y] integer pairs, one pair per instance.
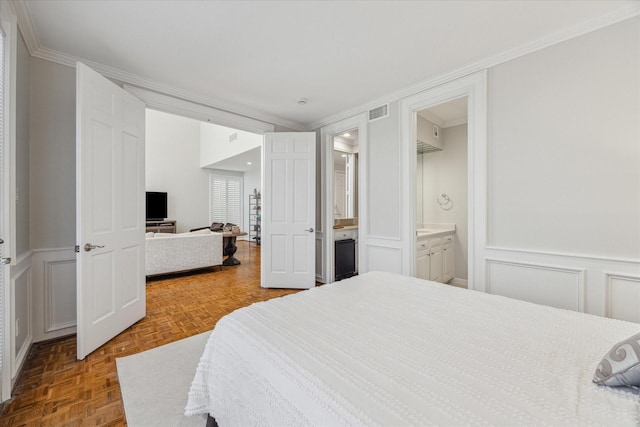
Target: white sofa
{"points": [[168, 253]]}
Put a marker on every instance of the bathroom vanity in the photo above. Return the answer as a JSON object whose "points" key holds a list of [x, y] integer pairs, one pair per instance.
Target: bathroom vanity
{"points": [[435, 253]]}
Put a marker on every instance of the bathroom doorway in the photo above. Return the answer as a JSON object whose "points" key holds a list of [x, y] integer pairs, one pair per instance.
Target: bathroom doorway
{"points": [[474, 88], [441, 192]]}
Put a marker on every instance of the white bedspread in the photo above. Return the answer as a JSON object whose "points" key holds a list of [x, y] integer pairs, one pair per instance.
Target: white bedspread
{"points": [[383, 349]]}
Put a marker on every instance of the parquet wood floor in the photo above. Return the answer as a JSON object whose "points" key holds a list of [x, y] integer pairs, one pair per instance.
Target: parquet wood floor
{"points": [[55, 389]]}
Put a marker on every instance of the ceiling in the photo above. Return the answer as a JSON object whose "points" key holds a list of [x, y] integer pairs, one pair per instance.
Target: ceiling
{"points": [[451, 113], [258, 58]]}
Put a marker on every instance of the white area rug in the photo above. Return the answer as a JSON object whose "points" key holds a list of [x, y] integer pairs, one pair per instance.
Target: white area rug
{"points": [[155, 383]]}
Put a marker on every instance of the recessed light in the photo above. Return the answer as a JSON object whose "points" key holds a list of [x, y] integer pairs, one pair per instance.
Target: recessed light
{"points": [[347, 134], [249, 163], [344, 155], [302, 101]]}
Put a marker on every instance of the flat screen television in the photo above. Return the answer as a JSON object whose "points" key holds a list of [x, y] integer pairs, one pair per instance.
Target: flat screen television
{"points": [[156, 205]]}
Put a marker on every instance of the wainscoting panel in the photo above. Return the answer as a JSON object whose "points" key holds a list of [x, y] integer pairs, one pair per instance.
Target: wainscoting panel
{"points": [[561, 287], [320, 268], [594, 284], [21, 327], [622, 297], [54, 293], [60, 294], [384, 258]]}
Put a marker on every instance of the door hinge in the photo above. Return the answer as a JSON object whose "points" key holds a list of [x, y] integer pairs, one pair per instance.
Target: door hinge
{"points": [[77, 249]]}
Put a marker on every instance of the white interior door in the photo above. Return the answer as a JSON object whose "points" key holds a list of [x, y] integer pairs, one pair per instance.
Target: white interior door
{"points": [[109, 209], [7, 221], [288, 210]]}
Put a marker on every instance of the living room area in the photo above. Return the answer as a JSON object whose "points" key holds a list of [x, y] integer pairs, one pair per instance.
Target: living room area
{"points": [[198, 173]]}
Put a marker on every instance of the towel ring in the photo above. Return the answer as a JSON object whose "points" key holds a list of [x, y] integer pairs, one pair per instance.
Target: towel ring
{"points": [[445, 202]]}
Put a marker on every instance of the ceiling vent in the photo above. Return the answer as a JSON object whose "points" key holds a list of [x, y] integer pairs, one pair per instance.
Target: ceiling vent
{"points": [[233, 136], [379, 112]]}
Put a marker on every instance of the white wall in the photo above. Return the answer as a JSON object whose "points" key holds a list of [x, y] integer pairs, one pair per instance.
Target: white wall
{"points": [[22, 149], [173, 166], [563, 147], [383, 195], [446, 172], [20, 328], [52, 181], [562, 177], [52, 155], [216, 146]]}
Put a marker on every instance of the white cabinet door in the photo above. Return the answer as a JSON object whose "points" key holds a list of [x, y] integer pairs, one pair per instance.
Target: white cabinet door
{"points": [[422, 261], [448, 262], [435, 264]]}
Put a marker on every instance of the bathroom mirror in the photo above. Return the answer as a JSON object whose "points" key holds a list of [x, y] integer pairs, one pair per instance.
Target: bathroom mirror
{"points": [[345, 175]]}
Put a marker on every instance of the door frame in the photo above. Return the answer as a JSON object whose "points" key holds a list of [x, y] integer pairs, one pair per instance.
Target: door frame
{"points": [[10, 28], [325, 233], [182, 108], [474, 87]]}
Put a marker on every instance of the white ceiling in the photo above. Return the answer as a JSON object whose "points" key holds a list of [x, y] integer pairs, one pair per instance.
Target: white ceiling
{"points": [[258, 58], [240, 162], [451, 113]]}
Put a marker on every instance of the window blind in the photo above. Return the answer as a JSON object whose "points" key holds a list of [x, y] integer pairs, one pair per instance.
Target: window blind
{"points": [[226, 197]]}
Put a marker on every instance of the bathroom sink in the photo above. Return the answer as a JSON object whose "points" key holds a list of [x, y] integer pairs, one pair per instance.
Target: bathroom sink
{"points": [[426, 231]]}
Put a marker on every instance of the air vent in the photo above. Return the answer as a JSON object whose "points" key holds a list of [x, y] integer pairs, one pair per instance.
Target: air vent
{"points": [[233, 136], [379, 112]]}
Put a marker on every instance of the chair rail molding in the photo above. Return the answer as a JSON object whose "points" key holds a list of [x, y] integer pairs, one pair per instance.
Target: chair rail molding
{"points": [[505, 250], [611, 285]]}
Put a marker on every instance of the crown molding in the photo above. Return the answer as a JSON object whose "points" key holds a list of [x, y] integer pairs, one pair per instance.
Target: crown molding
{"points": [[25, 25], [436, 120], [456, 122], [30, 35], [428, 115], [619, 15]]}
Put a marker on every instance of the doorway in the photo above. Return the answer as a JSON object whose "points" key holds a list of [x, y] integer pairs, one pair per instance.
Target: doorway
{"points": [[441, 196], [474, 88], [344, 154]]}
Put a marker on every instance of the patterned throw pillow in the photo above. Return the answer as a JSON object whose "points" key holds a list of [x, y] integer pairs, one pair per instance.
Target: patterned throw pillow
{"points": [[621, 365]]}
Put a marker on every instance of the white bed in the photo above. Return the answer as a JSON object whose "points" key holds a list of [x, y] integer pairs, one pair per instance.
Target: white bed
{"points": [[389, 350]]}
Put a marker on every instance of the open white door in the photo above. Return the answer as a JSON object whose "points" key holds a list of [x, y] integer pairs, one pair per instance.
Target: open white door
{"points": [[7, 203], [109, 209], [288, 210]]}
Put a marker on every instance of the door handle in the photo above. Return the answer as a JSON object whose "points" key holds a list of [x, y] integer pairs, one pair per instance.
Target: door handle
{"points": [[310, 230], [89, 247], [4, 261]]}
